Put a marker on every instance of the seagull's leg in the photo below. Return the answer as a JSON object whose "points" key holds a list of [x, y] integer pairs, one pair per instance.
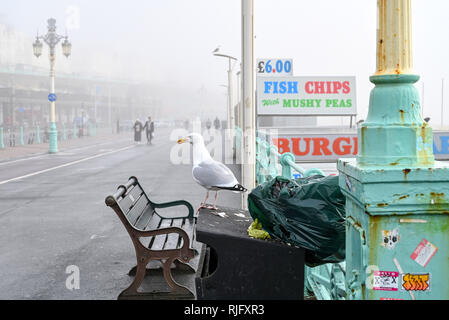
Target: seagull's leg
{"points": [[214, 207], [203, 205], [215, 201]]}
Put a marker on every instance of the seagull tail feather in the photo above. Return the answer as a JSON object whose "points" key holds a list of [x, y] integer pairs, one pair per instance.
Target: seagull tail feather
{"points": [[238, 187]]}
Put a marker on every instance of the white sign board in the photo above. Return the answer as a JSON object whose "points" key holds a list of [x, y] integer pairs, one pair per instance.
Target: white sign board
{"points": [[311, 96], [274, 67], [328, 147]]}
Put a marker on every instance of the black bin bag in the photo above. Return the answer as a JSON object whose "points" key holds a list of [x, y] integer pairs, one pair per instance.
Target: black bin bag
{"points": [[305, 212]]}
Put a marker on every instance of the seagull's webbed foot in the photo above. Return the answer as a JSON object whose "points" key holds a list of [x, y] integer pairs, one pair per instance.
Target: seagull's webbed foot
{"points": [[202, 206]]}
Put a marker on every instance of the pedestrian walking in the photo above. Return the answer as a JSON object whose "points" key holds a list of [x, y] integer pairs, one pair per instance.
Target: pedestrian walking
{"points": [[138, 131], [149, 129], [217, 123]]}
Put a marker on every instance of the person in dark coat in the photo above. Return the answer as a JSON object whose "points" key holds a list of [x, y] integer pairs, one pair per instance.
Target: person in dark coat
{"points": [[138, 131], [149, 129], [217, 123]]}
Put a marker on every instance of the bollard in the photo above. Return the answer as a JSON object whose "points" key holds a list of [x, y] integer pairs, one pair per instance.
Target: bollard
{"points": [[2, 143], [64, 134], [21, 137], [38, 135]]}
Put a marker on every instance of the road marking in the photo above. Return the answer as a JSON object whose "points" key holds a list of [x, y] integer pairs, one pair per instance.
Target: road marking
{"points": [[62, 153], [19, 160], [64, 165]]}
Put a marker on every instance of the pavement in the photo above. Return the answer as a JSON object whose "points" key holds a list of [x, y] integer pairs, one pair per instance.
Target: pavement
{"points": [[53, 217]]}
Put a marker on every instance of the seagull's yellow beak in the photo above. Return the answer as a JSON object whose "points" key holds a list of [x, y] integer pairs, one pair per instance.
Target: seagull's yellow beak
{"points": [[183, 140]]}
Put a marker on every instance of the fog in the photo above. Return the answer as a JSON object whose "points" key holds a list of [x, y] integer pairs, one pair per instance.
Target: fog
{"points": [[167, 45]]}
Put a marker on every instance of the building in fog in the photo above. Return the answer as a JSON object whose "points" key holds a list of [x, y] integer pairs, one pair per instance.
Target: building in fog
{"points": [[25, 85], [24, 101]]}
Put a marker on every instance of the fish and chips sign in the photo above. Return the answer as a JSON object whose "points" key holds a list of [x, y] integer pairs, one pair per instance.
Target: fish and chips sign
{"points": [[306, 96]]}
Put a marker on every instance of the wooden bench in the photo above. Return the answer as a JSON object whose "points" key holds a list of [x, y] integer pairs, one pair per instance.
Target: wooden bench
{"points": [[155, 237]]}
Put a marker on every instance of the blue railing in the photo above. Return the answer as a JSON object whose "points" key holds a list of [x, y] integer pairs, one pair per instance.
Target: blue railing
{"points": [[269, 161], [20, 136]]}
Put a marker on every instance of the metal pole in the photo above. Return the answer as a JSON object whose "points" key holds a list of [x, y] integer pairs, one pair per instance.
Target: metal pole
{"points": [[230, 102], [239, 105], [249, 134], [2, 143], [53, 130], [422, 104], [442, 102]]}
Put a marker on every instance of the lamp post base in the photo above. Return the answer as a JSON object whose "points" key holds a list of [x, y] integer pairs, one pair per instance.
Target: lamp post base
{"points": [[53, 138]]}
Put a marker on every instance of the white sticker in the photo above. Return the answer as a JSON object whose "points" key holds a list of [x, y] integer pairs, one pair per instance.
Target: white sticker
{"points": [[386, 280], [424, 252], [390, 238]]}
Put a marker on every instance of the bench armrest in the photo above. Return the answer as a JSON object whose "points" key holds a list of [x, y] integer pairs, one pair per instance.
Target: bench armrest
{"points": [[176, 203]]}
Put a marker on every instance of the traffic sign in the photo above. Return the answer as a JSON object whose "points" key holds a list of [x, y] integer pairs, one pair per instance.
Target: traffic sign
{"points": [[52, 97]]}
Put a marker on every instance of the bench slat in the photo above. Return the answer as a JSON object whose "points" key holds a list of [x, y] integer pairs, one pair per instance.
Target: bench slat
{"points": [[138, 209], [132, 196], [173, 238], [145, 217], [188, 226], [159, 240], [152, 224]]}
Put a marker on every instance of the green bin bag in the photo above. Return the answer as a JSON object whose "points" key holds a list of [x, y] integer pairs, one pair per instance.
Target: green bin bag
{"points": [[305, 212]]}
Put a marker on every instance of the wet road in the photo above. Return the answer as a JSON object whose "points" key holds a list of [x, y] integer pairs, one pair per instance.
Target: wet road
{"points": [[53, 215]]}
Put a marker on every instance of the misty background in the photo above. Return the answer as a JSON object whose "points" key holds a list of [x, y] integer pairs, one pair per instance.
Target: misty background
{"points": [[167, 46]]}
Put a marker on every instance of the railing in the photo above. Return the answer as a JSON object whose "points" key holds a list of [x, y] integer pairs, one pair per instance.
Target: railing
{"points": [[269, 161], [20, 136]]}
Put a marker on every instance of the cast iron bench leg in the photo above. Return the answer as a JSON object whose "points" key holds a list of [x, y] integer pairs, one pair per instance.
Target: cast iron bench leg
{"points": [[176, 288], [140, 275]]}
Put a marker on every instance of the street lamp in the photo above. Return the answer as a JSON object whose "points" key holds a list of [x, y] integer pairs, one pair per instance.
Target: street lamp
{"points": [[230, 122], [52, 39]]}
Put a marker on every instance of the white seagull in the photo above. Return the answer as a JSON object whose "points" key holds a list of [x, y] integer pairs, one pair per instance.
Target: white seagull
{"points": [[208, 173]]}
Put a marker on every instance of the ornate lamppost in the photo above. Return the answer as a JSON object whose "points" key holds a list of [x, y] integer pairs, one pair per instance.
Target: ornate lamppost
{"points": [[52, 39]]}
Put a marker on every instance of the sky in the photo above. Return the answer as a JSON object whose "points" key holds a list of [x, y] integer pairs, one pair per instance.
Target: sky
{"points": [[170, 42]]}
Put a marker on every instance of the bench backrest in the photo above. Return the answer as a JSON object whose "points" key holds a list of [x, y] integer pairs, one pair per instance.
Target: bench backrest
{"points": [[131, 204]]}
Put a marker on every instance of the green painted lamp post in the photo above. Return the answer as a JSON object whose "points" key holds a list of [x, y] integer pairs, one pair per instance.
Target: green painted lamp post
{"points": [[52, 39], [397, 207]]}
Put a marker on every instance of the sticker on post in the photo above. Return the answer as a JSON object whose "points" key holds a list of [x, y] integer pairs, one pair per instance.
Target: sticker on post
{"points": [[424, 252], [415, 282], [385, 280], [390, 238], [348, 183]]}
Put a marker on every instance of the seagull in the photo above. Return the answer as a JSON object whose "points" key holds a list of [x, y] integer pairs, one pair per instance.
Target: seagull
{"points": [[208, 173]]}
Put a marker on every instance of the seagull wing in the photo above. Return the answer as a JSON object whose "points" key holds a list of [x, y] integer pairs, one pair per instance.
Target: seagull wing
{"points": [[213, 174]]}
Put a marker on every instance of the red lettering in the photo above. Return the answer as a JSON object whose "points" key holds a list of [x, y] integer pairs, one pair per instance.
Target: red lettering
{"points": [[338, 148], [337, 86], [346, 87], [282, 145], [321, 144], [297, 150], [319, 87], [308, 89], [356, 146]]}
